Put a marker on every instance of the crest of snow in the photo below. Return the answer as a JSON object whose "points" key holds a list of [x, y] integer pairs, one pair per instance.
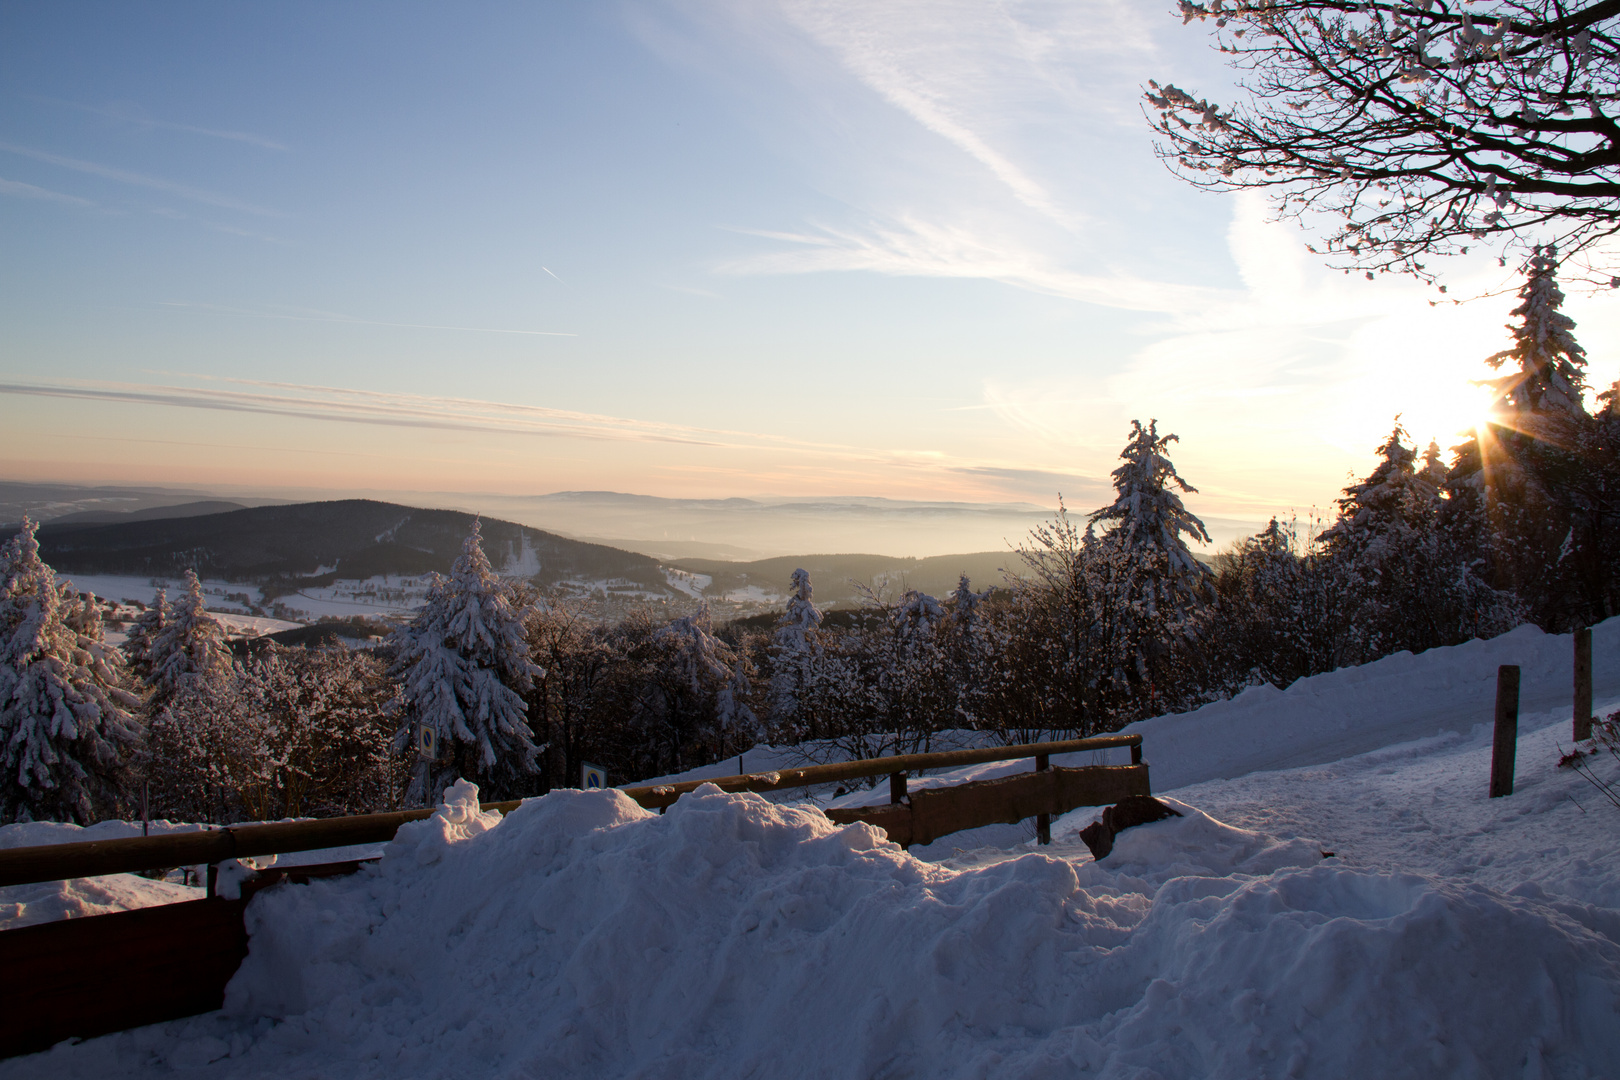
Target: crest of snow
{"points": [[730, 937]]}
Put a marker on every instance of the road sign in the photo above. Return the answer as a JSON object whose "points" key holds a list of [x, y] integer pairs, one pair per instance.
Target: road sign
{"points": [[592, 776], [427, 742]]}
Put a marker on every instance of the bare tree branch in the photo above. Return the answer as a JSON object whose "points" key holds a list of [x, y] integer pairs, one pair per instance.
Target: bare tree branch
{"points": [[1418, 127]]}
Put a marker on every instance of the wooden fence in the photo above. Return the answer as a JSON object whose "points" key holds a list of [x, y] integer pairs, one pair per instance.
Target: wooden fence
{"points": [[91, 976]]}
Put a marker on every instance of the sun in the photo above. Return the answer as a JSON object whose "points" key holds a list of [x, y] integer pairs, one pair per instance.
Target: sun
{"points": [[1446, 410]]}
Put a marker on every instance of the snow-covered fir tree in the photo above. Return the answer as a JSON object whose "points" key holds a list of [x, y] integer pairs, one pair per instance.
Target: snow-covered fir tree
{"points": [[1551, 364], [465, 668], [792, 652], [187, 651], [1379, 513], [1149, 585], [799, 621], [66, 727], [1537, 488], [138, 643]]}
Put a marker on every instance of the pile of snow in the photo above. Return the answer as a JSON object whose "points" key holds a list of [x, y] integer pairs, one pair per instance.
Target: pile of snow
{"points": [[582, 936]]}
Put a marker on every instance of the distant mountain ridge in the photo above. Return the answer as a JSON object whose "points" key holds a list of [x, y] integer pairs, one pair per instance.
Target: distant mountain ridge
{"points": [[316, 543], [150, 513]]}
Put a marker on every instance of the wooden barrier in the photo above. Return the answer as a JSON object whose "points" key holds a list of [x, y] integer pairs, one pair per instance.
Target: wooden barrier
{"points": [[935, 812], [656, 796], [92, 858], [104, 973], [79, 978]]}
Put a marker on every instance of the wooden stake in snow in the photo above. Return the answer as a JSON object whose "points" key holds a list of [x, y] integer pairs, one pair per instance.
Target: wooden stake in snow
{"points": [[1583, 683], [1506, 743], [1043, 822]]}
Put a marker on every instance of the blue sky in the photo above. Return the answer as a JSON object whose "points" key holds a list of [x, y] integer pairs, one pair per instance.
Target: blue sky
{"points": [[917, 250]]}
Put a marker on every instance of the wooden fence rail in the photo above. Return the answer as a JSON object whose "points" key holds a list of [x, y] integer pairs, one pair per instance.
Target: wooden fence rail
{"points": [[91, 858]]}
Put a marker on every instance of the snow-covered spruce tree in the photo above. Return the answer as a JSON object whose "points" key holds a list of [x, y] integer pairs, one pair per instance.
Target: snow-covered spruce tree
{"points": [[194, 712], [138, 643], [188, 651], [1551, 366], [66, 728], [1535, 485], [1403, 582], [465, 666], [1150, 589], [793, 647]]}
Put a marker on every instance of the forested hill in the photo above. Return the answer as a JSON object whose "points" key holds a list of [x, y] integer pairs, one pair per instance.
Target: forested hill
{"points": [[319, 542]]}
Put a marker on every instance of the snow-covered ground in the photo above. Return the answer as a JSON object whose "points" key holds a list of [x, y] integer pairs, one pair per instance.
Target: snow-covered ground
{"points": [[1448, 934], [381, 596], [124, 589]]}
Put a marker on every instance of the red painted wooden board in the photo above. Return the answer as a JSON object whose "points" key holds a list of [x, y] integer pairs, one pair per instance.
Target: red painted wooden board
{"points": [[91, 976], [105, 973]]}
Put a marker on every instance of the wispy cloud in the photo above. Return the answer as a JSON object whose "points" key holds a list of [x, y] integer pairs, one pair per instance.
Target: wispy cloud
{"points": [[135, 115], [18, 189], [123, 176], [402, 410], [975, 73], [917, 248], [238, 313]]}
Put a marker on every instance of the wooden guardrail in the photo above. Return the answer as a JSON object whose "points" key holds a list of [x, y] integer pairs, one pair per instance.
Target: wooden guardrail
{"points": [[104, 973], [91, 858]]}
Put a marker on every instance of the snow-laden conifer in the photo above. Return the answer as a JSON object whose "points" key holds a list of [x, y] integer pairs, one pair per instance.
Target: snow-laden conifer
{"points": [[65, 723], [138, 643], [1147, 581], [465, 666], [793, 655], [1551, 364], [799, 621], [189, 650], [1147, 517], [1381, 511]]}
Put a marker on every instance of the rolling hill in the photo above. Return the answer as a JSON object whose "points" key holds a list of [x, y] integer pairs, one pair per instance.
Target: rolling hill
{"points": [[315, 543]]}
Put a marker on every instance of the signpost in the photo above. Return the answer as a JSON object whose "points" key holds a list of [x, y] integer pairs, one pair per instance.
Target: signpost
{"points": [[592, 776]]}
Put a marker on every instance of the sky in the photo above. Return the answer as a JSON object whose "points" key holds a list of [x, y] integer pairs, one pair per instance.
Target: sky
{"points": [[692, 249]]}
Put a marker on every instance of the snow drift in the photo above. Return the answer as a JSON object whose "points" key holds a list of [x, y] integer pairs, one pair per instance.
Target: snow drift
{"points": [[582, 936]]}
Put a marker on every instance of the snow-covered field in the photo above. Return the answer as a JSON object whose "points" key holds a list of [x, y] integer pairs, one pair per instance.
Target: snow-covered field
{"points": [[1447, 934], [124, 589]]}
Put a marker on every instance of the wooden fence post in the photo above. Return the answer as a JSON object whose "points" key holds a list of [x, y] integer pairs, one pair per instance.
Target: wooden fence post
{"points": [[1583, 683], [1043, 822], [897, 787], [1506, 743]]}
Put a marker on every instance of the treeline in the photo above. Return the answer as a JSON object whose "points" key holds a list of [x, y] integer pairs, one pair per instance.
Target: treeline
{"points": [[1111, 619]]}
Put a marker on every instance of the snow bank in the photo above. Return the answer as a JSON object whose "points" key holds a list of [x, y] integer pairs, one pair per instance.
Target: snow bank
{"points": [[584, 937], [1353, 710]]}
